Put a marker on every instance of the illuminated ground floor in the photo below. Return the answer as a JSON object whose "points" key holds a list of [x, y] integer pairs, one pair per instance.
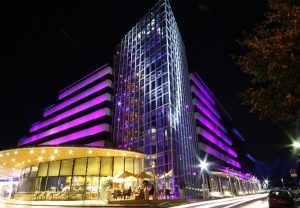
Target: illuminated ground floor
{"points": [[84, 173]]}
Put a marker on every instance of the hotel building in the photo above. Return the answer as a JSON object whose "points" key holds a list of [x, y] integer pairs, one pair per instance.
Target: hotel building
{"points": [[153, 112], [221, 145], [147, 113]]}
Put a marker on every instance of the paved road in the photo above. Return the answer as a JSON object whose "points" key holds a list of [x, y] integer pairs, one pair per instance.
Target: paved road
{"points": [[252, 201]]}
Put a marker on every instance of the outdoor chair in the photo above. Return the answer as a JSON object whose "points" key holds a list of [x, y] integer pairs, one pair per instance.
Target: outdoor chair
{"points": [[42, 196], [34, 196]]}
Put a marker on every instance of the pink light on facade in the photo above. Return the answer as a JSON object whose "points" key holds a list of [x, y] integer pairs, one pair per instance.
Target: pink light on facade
{"points": [[96, 144], [205, 101], [84, 119], [78, 135], [232, 172], [206, 112], [219, 155], [203, 89], [98, 87], [77, 109], [215, 141], [210, 126], [85, 82]]}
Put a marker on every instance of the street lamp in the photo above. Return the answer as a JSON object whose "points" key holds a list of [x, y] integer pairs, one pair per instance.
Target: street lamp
{"points": [[296, 144], [203, 166], [154, 182], [267, 183], [282, 183]]}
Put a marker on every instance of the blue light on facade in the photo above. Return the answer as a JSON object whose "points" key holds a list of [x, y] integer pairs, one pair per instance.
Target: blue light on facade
{"points": [[152, 83]]}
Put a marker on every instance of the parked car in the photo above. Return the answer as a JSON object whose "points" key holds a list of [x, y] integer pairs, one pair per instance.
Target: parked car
{"points": [[281, 198]]}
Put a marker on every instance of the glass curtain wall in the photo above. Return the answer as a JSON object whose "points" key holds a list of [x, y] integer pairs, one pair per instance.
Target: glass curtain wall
{"points": [[153, 104], [81, 177]]}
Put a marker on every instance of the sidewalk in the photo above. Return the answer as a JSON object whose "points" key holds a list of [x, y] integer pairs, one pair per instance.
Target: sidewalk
{"points": [[86, 203]]}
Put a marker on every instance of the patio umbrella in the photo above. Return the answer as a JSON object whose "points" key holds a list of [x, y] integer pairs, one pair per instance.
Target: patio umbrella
{"points": [[143, 175], [167, 175], [126, 174]]}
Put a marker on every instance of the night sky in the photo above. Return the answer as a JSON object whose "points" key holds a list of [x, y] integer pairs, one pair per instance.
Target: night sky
{"points": [[47, 46]]}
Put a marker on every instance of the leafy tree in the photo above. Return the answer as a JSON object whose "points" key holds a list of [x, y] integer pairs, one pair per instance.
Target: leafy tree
{"points": [[273, 62]]}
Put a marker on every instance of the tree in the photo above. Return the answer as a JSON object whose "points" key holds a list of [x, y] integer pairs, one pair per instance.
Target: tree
{"points": [[273, 62]]}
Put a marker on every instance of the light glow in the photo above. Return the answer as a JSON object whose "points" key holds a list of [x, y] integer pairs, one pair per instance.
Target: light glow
{"points": [[85, 82], [215, 141], [219, 155], [207, 113], [96, 101], [296, 144], [78, 135], [97, 88], [203, 165], [76, 122], [203, 89], [205, 101], [210, 126]]}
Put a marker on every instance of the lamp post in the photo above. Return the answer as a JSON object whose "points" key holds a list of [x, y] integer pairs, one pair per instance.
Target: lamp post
{"points": [[267, 183], [282, 183], [154, 181], [203, 166]]}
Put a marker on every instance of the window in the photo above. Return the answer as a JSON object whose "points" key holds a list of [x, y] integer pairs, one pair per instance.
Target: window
{"points": [[118, 165], [106, 166], [80, 166], [54, 168], [43, 169], [129, 164], [66, 167], [93, 166]]}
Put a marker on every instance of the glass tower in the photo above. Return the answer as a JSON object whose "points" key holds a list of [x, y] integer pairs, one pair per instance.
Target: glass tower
{"points": [[153, 104]]}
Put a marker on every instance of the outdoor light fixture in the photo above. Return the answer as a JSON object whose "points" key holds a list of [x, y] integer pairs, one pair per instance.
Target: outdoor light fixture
{"points": [[203, 165], [296, 144]]}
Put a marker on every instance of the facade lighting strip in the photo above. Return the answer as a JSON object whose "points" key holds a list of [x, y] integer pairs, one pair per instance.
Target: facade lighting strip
{"points": [[78, 135], [96, 101], [215, 141], [204, 110], [76, 122], [219, 155], [102, 73], [210, 126], [203, 89], [205, 101], [98, 87]]}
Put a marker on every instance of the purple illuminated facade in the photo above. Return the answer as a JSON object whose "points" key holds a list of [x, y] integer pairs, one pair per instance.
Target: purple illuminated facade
{"points": [[220, 143], [150, 103], [152, 91], [82, 116]]}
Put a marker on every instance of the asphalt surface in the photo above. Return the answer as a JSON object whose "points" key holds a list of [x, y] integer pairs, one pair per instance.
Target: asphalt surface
{"points": [[258, 202]]}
